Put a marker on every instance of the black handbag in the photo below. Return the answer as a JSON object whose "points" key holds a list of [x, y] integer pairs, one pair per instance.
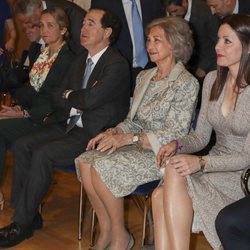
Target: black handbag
{"points": [[13, 73]]}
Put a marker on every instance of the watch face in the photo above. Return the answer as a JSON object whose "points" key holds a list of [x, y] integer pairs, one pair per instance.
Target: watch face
{"points": [[135, 138]]}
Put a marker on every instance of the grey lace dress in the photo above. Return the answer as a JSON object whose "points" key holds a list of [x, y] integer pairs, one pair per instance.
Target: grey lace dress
{"points": [[163, 110], [220, 184]]}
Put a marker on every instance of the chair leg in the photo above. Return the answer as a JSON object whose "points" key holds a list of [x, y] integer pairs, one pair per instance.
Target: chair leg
{"points": [[80, 220], [93, 229], [144, 206], [150, 224], [145, 212]]}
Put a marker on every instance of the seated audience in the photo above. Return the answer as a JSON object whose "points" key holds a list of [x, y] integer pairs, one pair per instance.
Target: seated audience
{"points": [[132, 34], [6, 23], [204, 27], [123, 157], [196, 188], [35, 99], [224, 8], [29, 13], [96, 98], [233, 225]]}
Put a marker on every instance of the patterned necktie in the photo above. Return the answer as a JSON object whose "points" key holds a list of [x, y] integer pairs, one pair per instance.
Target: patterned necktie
{"points": [[74, 119], [141, 56]]}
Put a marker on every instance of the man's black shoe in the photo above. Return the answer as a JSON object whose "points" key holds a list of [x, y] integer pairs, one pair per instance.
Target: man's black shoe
{"points": [[37, 222], [13, 234]]}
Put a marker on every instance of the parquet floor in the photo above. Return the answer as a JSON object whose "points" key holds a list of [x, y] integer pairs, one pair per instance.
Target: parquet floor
{"points": [[60, 214]]}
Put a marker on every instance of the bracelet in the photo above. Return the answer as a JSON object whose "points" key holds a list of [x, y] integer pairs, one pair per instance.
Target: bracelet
{"points": [[178, 146], [140, 141]]}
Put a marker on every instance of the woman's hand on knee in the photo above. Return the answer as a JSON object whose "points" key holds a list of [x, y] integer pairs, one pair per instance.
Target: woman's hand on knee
{"points": [[92, 144], [165, 152], [185, 164]]}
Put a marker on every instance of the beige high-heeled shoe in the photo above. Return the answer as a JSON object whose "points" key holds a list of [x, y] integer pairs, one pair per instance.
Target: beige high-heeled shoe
{"points": [[1, 201]]}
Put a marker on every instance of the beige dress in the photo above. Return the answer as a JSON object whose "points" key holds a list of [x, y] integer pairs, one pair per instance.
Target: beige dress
{"points": [[220, 185], [163, 110]]}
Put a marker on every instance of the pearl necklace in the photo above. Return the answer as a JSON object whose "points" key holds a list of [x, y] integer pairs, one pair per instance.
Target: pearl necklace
{"points": [[159, 76]]}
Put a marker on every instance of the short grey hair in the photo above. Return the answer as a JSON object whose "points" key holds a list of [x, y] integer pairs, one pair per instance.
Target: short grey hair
{"points": [[179, 35], [26, 7]]}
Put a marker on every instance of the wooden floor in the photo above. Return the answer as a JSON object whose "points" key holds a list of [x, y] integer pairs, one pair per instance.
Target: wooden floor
{"points": [[60, 214]]}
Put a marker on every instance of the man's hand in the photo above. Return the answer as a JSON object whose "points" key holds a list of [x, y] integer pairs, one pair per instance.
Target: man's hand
{"points": [[11, 112]]}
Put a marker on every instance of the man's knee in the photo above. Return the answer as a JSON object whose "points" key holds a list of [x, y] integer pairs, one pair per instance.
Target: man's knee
{"points": [[21, 144], [226, 220]]}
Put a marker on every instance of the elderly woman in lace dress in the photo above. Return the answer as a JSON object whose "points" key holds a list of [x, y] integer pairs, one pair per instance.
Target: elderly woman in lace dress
{"points": [[123, 157]]}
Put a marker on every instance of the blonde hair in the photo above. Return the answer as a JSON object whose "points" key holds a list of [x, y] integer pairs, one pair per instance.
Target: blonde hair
{"points": [[178, 33]]}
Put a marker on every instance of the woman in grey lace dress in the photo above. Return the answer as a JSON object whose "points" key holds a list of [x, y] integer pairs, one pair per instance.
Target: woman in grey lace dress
{"points": [[206, 184], [123, 157]]}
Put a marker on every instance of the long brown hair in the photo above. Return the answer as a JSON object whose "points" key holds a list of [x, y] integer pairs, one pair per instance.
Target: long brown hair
{"points": [[241, 26]]}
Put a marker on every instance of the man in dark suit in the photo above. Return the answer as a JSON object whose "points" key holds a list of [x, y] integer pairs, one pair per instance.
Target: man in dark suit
{"points": [[204, 26], [101, 104], [224, 8], [233, 225], [29, 13], [148, 9]]}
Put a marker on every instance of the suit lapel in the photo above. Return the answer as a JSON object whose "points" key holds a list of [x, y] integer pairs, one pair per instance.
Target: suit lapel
{"points": [[56, 66], [98, 67], [79, 69], [120, 9], [143, 84]]}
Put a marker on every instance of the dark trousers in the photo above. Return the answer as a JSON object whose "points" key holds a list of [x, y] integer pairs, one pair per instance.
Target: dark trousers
{"points": [[233, 225], [35, 157], [10, 130]]}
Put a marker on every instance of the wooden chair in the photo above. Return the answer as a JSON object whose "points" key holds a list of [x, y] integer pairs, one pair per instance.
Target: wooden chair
{"points": [[71, 168], [245, 181]]}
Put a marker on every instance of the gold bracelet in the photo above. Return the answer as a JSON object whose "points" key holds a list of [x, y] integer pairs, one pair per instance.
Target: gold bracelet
{"points": [[141, 139]]}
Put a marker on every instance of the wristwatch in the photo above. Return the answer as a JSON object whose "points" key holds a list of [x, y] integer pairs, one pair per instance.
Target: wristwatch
{"points": [[202, 163], [135, 139]]}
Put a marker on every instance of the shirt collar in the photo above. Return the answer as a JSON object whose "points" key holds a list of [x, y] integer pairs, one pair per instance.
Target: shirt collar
{"points": [[97, 56], [188, 14], [236, 7], [44, 5]]}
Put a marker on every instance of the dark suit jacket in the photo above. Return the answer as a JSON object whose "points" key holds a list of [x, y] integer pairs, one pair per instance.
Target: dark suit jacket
{"points": [[76, 15], [244, 7], [33, 53], [150, 10], [105, 101], [39, 104], [205, 27]]}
